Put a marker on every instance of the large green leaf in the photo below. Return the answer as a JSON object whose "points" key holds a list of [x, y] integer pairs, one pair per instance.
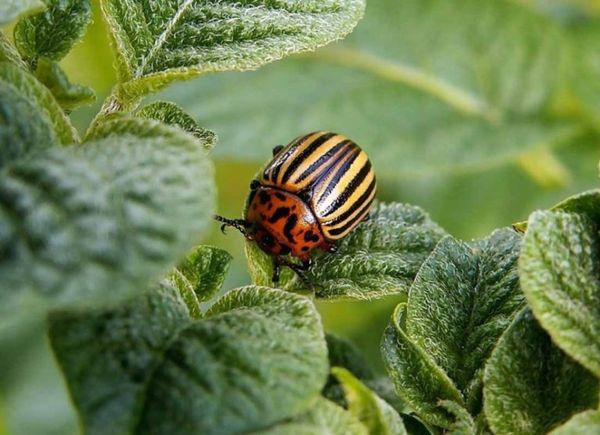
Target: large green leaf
{"points": [[10, 9], [380, 257], [100, 221], [159, 42], [23, 126], [530, 385], [425, 86], [560, 274], [8, 52], [324, 417], [461, 301], [52, 32], [587, 422], [377, 415], [41, 97], [259, 357]]}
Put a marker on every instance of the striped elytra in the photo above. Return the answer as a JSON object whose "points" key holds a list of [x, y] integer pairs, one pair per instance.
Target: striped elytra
{"points": [[331, 173], [313, 192]]}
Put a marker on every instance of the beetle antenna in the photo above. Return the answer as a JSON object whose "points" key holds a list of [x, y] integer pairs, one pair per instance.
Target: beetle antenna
{"points": [[239, 224]]}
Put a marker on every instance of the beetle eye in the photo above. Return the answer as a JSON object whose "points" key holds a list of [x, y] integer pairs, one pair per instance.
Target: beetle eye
{"points": [[254, 184]]}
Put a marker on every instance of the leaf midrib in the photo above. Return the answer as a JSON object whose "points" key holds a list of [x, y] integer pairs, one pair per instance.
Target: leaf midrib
{"points": [[162, 38]]}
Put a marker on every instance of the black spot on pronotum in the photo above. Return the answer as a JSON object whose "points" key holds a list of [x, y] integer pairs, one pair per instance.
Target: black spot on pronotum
{"points": [[263, 196], [305, 248], [289, 226], [284, 250], [280, 213], [311, 237], [280, 196]]}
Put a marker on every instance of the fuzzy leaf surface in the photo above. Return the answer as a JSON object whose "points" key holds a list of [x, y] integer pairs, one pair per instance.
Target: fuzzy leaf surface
{"points": [[560, 273], [259, 357], [23, 127], [203, 272], [41, 97], [171, 114], [530, 385], [459, 304], [70, 96], [324, 417], [379, 257], [582, 423], [377, 415], [157, 43], [52, 32], [450, 86], [462, 300], [99, 222], [8, 52], [418, 380]]}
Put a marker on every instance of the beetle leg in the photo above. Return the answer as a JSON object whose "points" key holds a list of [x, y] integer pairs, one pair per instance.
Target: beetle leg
{"points": [[276, 270], [328, 247], [238, 224], [276, 149], [300, 270]]}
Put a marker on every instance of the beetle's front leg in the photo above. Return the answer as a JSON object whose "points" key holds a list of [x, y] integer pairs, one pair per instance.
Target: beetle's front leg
{"points": [[276, 270]]}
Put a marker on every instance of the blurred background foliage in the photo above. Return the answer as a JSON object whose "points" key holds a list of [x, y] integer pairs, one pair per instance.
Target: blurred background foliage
{"points": [[479, 112]]}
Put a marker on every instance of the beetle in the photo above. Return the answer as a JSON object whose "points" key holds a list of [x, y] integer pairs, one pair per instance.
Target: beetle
{"points": [[312, 193]]}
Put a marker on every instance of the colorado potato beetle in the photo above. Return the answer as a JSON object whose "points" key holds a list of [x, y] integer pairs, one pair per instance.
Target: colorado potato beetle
{"points": [[313, 192]]}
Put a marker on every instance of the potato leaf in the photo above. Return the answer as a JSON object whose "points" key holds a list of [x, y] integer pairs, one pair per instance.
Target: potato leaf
{"points": [[530, 385], [461, 301], [560, 274], [101, 221], [258, 358], [52, 32], [11, 9], [582, 423], [159, 42], [172, 114]]}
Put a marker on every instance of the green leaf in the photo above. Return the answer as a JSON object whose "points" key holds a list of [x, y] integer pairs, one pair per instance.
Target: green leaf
{"points": [[52, 32], [418, 380], [451, 86], [170, 40], [101, 221], [172, 114], [380, 257], [324, 417], [560, 272], [41, 97], [69, 96], [377, 416], [11, 9], [530, 385], [23, 127], [461, 301], [8, 52], [259, 357], [582, 423], [201, 274]]}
